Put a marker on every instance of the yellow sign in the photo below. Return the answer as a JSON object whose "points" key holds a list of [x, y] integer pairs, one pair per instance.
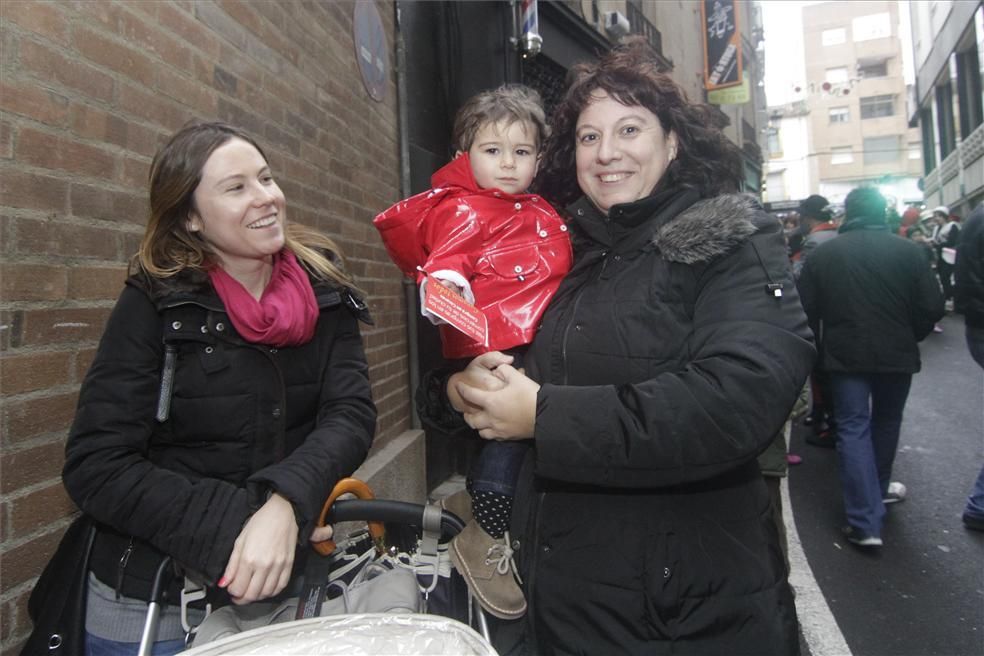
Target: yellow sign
{"points": [[737, 95]]}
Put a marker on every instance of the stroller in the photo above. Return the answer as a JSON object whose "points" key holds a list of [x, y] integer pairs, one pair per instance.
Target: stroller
{"points": [[370, 569]]}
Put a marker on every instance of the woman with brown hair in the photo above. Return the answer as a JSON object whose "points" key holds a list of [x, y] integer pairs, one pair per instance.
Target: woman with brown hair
{"points": [[666, 362], [229, 393]]}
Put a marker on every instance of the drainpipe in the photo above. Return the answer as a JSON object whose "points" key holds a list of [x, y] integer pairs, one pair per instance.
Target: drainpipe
{"points": [[409, 286]]}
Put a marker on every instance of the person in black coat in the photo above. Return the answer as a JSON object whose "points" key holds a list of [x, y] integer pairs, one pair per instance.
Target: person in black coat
{"points": [[667, 361], [871, 296], [229, 393]]}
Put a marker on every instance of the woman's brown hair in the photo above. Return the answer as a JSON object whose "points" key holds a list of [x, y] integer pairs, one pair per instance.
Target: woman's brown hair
{"points": [[168, 247], [706, 160]]}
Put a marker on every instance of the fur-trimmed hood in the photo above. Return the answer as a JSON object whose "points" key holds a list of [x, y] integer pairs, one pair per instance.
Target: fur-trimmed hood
{"points": [[710, 228]]}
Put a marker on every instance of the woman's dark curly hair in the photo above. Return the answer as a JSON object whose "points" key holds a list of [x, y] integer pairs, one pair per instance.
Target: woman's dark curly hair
{"points": [[706, 160]]}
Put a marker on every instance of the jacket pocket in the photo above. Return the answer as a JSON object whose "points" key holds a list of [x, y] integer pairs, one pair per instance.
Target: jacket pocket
{"points": [[515, 262]]}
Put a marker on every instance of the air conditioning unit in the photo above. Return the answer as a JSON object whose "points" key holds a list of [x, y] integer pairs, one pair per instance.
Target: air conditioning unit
{"points": [[616, 25]]}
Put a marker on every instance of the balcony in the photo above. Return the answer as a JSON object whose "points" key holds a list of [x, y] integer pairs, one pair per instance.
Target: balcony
{"points": [[641, 25]]}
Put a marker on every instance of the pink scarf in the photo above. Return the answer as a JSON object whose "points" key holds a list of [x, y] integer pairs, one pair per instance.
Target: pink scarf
{"points": [[285, 315]]}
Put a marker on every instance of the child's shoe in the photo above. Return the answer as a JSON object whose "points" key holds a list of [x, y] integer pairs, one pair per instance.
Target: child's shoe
{"points": [[488, 568], [460, 504]]}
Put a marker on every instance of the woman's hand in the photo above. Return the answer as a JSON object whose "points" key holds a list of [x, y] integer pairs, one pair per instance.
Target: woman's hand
{"points": [[263, 555], [506, 413], [479, 373], [321, 533]]}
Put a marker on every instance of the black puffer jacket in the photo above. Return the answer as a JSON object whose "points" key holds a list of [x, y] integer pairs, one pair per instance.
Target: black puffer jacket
{"points": [[180, 466], [668, 363], [969, 273], [871, 297]]}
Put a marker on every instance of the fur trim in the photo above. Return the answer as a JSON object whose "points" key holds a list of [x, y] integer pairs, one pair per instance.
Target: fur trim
{"points": [[709, 228]]}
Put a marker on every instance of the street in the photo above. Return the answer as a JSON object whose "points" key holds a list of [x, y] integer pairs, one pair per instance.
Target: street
{"points": [[922, 593]]}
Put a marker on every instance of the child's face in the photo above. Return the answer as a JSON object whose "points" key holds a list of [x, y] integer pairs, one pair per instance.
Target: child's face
{"points": [[504, 156]]}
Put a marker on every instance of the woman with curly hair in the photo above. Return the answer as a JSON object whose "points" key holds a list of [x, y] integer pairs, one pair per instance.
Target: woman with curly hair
{"points": [[670, 356]]}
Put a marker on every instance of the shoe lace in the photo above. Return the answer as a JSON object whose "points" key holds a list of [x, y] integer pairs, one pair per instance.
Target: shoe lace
{"points": [[501, 553]]}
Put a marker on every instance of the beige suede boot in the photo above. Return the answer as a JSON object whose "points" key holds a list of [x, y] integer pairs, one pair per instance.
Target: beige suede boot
{"points": [[460, 504], [487, 566]]}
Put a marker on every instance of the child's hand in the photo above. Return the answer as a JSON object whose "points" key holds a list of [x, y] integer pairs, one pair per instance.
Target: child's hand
{"points": [[457, 289]]}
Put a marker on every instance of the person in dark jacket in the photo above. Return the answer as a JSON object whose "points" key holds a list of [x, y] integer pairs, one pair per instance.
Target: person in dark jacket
{"points": [[667, 361], [969, 298], [229, 393], [871, 296]]}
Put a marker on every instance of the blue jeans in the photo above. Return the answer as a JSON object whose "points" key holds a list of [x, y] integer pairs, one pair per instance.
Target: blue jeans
{"points": [[869, 417], [96, 646], [975, 502], [497, 467]]}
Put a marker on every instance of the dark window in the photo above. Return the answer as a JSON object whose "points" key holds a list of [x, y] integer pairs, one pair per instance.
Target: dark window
{"points": [[928, 142], [877, 69], [969, 91], [944, 119], [877, 106]]}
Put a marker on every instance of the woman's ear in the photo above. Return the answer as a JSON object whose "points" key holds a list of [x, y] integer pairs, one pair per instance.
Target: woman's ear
{"points": [[672, 144], [193, 223]]}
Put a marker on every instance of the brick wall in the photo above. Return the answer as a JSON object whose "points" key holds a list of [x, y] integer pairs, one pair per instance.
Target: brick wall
{"points": [[88, 91]]}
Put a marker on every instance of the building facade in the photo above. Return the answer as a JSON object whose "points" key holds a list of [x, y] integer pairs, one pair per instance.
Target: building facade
{"points": [[853, 106], [353, 103], [947, 103]]}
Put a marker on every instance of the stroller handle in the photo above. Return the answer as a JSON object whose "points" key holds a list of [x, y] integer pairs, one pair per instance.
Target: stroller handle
{"points": [[394, 512]]}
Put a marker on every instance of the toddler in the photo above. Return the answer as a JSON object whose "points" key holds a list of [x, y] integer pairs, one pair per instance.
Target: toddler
{"points": [[479, 233]]}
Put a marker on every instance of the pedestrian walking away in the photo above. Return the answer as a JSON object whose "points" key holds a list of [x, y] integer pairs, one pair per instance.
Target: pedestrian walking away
{"points": [[872, 296]]}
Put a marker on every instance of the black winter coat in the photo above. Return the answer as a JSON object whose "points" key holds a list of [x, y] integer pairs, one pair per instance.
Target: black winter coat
{"points": [[668, 362], [181, 464], [871, 296], [969, 273]]}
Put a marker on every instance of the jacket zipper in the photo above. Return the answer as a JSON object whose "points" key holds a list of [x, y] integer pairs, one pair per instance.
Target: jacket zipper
{"points": [[531, 577], [570, 320]]}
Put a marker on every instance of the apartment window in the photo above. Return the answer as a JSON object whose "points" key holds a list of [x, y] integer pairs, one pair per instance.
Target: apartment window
{"points": [[915, 150], [840, 114], [875, 26], [969, 90], [944, 119], [881, 150], [773, 142], [928, 141], [877, 106], [841, 155], [833, 37], [836, 75], [875, 69]]}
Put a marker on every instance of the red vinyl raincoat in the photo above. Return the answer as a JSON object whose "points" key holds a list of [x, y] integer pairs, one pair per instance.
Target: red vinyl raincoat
{"points": [[512, 249]]}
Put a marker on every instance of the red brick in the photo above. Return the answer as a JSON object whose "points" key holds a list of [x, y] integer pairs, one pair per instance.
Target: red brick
{"points": [[24, 562], [27, 99], [31, 466], [93, 123], [33, 191], [30, 372], [114, 55], [55, 152], [96, 283], [6, 140], [187, 28], [102, 203], [39, 508], [46, 327], [83, 360], [152, 107], [31, 282], [54, 238], [245, 14], [143, 140], [135, 29], [45, 18], [15, 612], [24, 420], [186, 91], [51, 65]]}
